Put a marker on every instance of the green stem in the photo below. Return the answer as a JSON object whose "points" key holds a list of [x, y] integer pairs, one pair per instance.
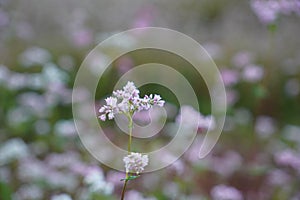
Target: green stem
{"points": [[124, 188], [130, 132], [130, 126]]}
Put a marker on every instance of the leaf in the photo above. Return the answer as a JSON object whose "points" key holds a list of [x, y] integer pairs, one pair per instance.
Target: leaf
{"points": [[130, 178]]}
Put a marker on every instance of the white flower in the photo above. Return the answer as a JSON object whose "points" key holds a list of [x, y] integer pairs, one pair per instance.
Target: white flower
{"points": [[61, 197], [13, 149], [191, 118], [253, 73], [135, 162], [223, 192], [97, 183], [128, 101], [111, 101]]}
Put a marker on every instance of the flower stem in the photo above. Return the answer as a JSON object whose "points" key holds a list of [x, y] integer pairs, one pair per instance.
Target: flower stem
{"points": [[130, 126], [124, 188], [130, 133]]}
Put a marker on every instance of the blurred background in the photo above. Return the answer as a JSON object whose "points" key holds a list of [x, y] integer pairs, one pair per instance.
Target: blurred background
{"points": [[256, 46]]}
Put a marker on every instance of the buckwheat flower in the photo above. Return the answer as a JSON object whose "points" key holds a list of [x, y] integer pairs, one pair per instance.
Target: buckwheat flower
{"points": [[269, 10], [265, 126], [253, 73], [13, 149], [61, 197], [157, 100], [127, 101], [135, 162], [242, 58], [28, 191], [200, 122], [34, 56], [223, 192], [266, 11], [97, 183], [230, 77], [288, 158]]}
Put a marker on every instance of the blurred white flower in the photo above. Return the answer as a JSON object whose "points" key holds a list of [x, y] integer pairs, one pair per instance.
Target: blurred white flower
{"points": [[61, 197], [31, 169], [34, 56], [226, 165], [96, 182], [191, 118], [223, 192], [242, 59], [53, 74], [65, 128], [135, 162], [253, 73], [278, 177], [13, 149], [265, 126], [28, 192]]}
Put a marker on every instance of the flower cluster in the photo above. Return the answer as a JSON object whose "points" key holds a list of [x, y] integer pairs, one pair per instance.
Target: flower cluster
{"points": [[199, 121], [268, 10], [128, 101], [135, 162]]}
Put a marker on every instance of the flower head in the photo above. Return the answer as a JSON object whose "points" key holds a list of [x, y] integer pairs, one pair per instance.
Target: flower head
{"points": [[135, 162], [128, 101], [223, 192]]}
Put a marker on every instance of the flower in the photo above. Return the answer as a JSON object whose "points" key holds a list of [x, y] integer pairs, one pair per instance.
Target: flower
{"points": [[97, 183], [128, 101], [269, 10], [13, 149], [135, 162], [200, 122], [61, 197], [223, 192], [253, 73]]}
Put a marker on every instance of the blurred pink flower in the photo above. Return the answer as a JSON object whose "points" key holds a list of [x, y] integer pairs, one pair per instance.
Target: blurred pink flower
{"points": [[144, 18], [115, 177], [242, 59], [124, 64], [227, 164], [229, 76], [82, 37], [269, 10], [288, 158]]}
